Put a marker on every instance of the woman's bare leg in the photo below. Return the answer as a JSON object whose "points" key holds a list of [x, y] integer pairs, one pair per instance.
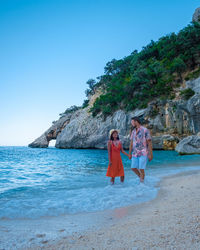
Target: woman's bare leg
{"points": [[122, 178], [112, 180]]}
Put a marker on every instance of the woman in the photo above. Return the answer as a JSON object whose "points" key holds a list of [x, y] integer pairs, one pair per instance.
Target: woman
{"points": [[115, 167]]}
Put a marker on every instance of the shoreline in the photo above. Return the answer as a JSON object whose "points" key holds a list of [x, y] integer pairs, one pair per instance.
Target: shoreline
{"points": [[128, 227], [171, 220]]}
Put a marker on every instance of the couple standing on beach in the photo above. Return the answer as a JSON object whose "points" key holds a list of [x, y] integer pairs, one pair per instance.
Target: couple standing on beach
{"points": [[140, 151]]}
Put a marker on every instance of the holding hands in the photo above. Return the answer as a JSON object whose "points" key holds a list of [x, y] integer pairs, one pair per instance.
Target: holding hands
{"points": [[150, 156]]}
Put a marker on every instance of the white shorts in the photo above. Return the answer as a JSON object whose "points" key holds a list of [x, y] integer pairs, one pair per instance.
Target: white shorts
{"points": [[139, 162]]}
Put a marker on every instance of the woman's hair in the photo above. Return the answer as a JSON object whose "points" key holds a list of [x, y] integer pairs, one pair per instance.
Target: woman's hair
{"points": [[111, 136]]}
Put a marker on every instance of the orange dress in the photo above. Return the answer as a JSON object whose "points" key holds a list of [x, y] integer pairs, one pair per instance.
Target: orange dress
{"points": [[117, 168]]}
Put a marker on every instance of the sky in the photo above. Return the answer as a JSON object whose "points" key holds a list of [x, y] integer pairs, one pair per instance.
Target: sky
{"points": [[50, 48]]}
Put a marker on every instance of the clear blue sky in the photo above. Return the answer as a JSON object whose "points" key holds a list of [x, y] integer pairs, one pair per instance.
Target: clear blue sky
{"points": [[50, 48]]}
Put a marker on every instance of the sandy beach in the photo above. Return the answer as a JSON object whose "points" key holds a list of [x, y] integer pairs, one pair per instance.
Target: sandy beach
{"points": [[171, 221]]}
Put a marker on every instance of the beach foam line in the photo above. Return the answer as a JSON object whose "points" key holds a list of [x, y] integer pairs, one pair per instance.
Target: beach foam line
{"points": [[25, 233], [72, 201]]}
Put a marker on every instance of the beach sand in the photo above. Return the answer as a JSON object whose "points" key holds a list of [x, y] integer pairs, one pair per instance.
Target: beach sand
{"points": [[171, 221]]}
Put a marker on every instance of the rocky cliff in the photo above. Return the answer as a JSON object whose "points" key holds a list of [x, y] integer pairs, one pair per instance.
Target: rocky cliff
{"points": [[168, 120]]}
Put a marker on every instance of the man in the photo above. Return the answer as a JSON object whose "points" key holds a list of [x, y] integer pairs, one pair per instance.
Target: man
{"points": [[141, 148]]}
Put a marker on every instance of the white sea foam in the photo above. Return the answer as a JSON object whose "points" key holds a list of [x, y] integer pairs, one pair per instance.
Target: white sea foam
{"points": [[80, 200]]}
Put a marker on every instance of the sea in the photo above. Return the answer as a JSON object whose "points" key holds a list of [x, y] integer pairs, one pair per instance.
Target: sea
{"points": [[48, 194], [39, 182]]}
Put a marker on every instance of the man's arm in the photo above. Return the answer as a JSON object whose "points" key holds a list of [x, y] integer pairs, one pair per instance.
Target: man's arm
{"points": [[150, 151], [130, 148]]}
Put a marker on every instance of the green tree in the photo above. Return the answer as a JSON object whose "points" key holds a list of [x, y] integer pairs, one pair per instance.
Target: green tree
{"points": [[142, 76], [91, 84], [178, 66]]}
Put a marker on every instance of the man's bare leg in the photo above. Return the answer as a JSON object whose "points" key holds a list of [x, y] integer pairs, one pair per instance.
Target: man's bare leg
{"points": [[142, 175], [136, 171]]}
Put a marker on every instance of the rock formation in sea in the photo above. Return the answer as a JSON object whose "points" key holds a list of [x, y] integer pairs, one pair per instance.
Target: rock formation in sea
{"points": [[189, 145]]}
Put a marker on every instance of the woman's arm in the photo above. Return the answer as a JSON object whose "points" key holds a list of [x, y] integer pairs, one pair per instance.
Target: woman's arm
{"points": [[122, 150], [130, 149], [109, 153]]}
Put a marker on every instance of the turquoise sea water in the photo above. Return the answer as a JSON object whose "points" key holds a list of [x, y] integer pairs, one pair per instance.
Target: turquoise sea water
{"points": [[51, 182]]}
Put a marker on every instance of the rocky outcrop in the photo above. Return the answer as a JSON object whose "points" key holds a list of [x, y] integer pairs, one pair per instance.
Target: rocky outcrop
{"points": [[194, 84], [51, 133], [193, 106], [196, 15], [165, 142], [85, 131], [189, 145], [169, 121]]}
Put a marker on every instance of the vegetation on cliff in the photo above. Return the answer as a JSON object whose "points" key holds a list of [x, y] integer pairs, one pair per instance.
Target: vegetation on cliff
{"points": [[153, 72]]}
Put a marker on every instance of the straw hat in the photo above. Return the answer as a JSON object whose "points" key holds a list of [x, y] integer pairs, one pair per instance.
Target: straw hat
{"points": [[112, 131]]}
